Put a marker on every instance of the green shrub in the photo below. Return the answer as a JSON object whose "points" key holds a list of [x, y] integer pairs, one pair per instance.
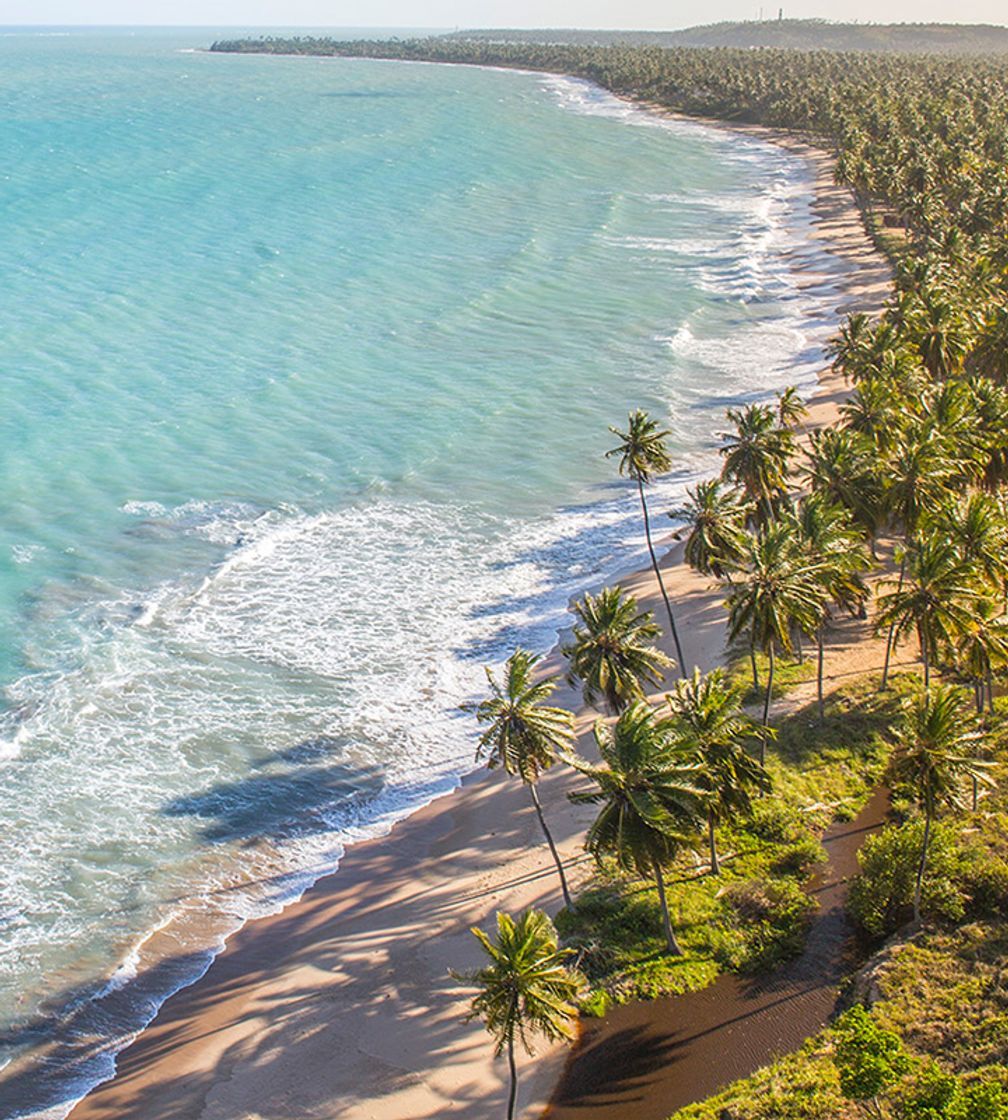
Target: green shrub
{"points": [[776, 821], [881, 896], [799, 858], [985, 881], [869, 1059], [775, 914]]}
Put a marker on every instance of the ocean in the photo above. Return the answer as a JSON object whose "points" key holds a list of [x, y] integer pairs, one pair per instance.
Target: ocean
{"points": [[307, 370]]}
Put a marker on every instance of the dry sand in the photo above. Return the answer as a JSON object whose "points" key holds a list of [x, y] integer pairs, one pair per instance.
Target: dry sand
{"points": [[342, 1006]]}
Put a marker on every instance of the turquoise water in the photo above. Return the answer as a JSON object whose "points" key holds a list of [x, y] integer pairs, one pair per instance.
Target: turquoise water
{"points": [[307, 367]]}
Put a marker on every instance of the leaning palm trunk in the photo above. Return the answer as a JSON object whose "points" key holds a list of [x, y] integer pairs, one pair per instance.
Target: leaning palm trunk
{"points": [[766, 701], [715, 865], [670, 938], [926, 660], [552, 846], [513, 1094], [918, 887], [755, 667], [661, 582], [822, 655], [892, 629]]}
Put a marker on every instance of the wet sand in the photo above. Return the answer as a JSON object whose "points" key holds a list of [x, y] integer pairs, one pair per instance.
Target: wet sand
{"points": [[341, 1006]]}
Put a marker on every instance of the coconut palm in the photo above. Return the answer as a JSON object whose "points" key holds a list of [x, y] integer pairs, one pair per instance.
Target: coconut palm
{"points": [[791, 410], [843, 466], [983, 647], [975, 524], [835, 545], [525, 736], [918, 477], [612, 655], [713, 729], [651, 804], [714, 529], [780, 589], [937, 599], [643, 454], [527, 989], [757, 455], [935, 747]]}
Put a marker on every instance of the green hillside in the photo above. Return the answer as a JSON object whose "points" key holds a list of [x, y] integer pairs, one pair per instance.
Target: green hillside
{"points": [[796, 34]]}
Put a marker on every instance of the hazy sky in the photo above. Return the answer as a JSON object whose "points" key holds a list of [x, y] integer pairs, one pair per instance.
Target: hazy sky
{"points": [[479, 13]]}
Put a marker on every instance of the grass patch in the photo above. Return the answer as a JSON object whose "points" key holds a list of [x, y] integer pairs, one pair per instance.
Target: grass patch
{"points": [[755, 914], [788, 672]]}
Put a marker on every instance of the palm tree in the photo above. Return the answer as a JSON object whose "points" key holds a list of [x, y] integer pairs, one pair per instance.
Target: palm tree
{"points": [[982, 648], [713, 729], [651, 804], [932, 758], [611, 654], [937, 599], [714, 528], [780, 589], [526, 989], [791, 410], [842, 466], [525, 735], [918, 476], [976, 526], [643, 454], [756, 457], [835, 545]]}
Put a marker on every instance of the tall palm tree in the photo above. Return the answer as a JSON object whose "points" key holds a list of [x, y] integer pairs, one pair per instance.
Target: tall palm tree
{"points": [[779, 590], [527, 989], [918, 477], [713, 729], [835, 545], [791, 410], [976, 526], [651, 804], [757, 455], [643, 454], [934, 757], [937, 599], [525, 735], [983, 647], [843, 466], [611, 654], [714, 529]]}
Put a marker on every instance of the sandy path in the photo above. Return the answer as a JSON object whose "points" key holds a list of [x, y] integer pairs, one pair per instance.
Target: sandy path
{"points": [[341, 1006]]}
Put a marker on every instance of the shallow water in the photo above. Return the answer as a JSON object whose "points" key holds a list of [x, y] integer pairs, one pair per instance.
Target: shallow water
{"points": [[307, 368]]}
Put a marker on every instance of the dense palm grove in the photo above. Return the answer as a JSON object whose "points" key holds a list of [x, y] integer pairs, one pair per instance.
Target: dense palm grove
{"points": [[903, 502]]}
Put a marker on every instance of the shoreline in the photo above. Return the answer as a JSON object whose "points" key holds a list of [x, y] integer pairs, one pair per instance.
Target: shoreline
{"points": [[259, 996]]}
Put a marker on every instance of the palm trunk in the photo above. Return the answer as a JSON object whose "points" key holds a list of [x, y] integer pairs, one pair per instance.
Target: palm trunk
{"points": [[752, 662], [978, 697], [926, 660], [552, 846], [661, 582], [513, 1094], [990, 691], [822, 654], [798, 643], [892, 628], [715, 866], [920, 869], [673, 946], [766, 701]]}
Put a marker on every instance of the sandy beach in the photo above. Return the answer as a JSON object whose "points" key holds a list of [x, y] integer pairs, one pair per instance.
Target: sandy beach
{"points": [[341, 1005]]}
